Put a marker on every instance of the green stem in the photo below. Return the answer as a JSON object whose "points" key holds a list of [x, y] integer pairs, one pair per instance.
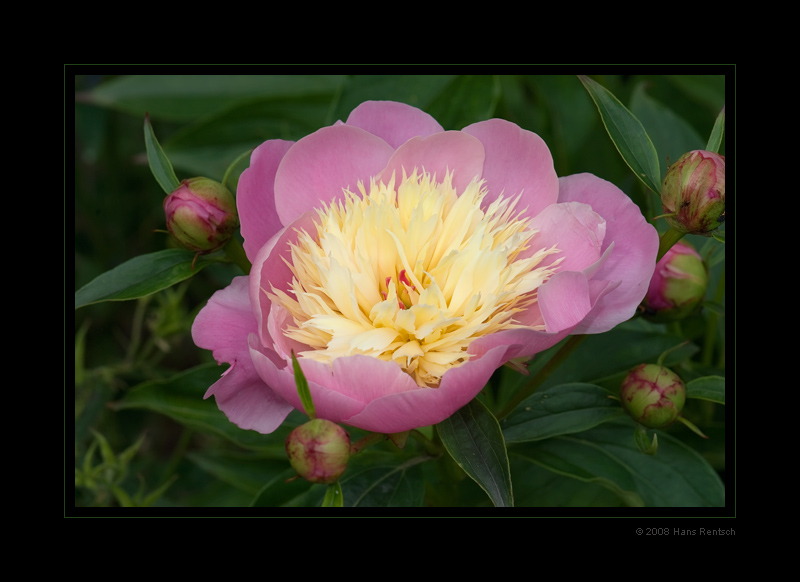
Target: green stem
{"points": [[363, 443], [136, 329], [711, 324], [177, 455], [543, 374], [235, 253], [669, 238], [226, 178], [434, 449]]}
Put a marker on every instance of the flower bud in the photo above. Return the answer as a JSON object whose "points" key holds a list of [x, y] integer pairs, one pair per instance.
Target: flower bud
{"points": [[653, 395], [201, 214], [678, 285], [319, 450], [693, 193]]}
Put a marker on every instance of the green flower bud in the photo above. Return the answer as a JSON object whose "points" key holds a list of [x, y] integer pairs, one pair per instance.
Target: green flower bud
{"points": [[201, 215], [678, 285], [653, 395], [319, 450], [693, 193]]}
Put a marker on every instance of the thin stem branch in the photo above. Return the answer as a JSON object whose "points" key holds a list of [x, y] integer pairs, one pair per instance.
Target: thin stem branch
{"points": [[236, 254], [667, 240], [571, 344]]}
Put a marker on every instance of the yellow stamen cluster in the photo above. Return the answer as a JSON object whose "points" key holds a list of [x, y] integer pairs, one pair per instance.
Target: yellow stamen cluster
{"points": [[412, 274]]}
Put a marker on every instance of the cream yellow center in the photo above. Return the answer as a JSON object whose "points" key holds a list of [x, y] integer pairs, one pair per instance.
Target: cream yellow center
{"points": [[411, 274]]}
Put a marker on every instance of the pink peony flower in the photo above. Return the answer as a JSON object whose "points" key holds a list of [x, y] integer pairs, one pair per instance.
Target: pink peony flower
{"points": [[403, 264]]}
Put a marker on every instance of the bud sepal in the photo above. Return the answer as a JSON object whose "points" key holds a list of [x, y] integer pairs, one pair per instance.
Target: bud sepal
{"points": [[201, 215], [693, 193], [653, 395], [678, 285], [319, 451]]}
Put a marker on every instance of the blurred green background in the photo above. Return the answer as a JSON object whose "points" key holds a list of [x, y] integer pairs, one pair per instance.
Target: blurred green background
{"points": [[204, 123]]}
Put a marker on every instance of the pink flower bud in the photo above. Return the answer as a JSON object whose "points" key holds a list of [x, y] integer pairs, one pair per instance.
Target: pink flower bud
{"points": [[319, 450], [693, 193], [201, 214], [653, 395], [678, 285]]}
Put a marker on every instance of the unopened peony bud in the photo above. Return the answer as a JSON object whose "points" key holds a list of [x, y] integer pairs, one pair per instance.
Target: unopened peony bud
{"points": [[201, 214], [693, 193], [319, 450], [678, 285], [653, 395]]}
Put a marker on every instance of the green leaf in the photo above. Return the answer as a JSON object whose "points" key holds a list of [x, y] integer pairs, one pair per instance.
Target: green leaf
{"points": [[473, 438], [627, 133], [608, 455], [707, 388], [715, 139], [209, 144], [604, 359], [333, 496], [143, 275], [538, 487], [302, 388], [188, 97], [380, 479], [672, 135], [247, 471], [160, 165], [559, 410], [181, 398], [285, 490]]}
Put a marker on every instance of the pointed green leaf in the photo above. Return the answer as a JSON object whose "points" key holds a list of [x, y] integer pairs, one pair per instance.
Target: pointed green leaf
{"points": [[707, 388], [558, 410], [715, 140], [643, 440], [302, 388], [160, 165], [473, 438], [155, 495], [142, 276], [627, 133], [333, 496]]}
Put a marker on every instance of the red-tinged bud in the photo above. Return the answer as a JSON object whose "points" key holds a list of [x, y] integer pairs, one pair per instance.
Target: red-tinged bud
{"points": [[693, 193], [319, 450], [201, 215], [653, 395], [678, 285]]}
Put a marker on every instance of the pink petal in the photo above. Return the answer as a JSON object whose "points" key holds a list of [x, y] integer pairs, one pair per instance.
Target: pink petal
{"points": [[255, 196], [401, 411], [270, 270], [247, 401], [437, 154], [223, 326], [564, 300], [517, 161], [635, 244], [329, 404], [518, 343], [316, 169], [575, 229], [395, 122]]}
